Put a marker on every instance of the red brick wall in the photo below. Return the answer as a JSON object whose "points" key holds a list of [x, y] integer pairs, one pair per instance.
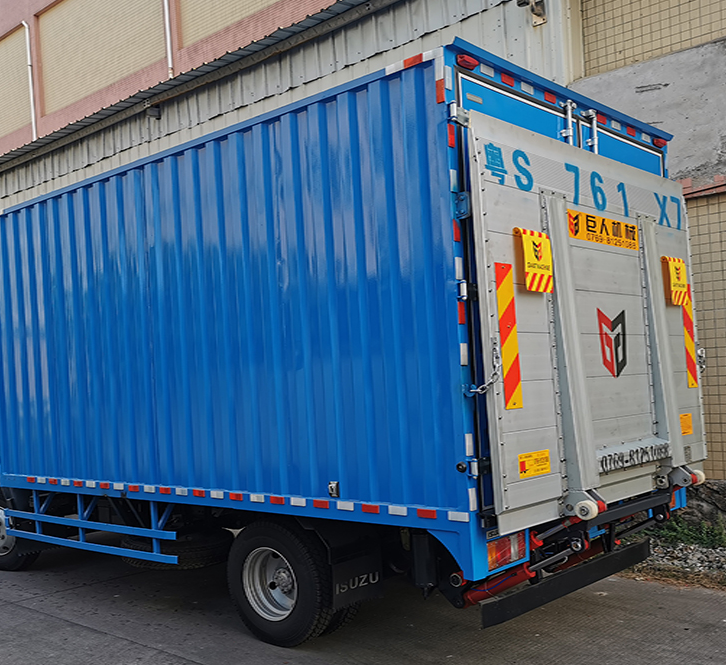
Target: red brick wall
{"points": [[254, 27]]}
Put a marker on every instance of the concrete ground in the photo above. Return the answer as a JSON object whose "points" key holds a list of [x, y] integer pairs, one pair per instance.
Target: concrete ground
{"points": [[78, 608]]}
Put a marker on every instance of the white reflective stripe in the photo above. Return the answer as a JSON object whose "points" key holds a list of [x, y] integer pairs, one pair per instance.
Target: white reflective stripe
{"points": [[149, 489], [397, 510], [526, 87], [458, 267], [257, 498], [464, 351], [615, 124], [392, 69], [469, 440], [472, 499], [645, 138], [65, 481], [486, 70], [118, 486], [453, 179], [439, 67], [182, 491], [298, 501], [42, 481], [216, 494], [449, 78], [89, 483], [346, 505], [458, 517]]}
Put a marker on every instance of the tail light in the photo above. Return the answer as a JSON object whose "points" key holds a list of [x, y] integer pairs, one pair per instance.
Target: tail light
{"points": [[506, 550]]}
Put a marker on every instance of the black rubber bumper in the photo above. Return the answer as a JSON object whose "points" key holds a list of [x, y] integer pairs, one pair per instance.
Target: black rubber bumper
{"points": [[508, 606]]}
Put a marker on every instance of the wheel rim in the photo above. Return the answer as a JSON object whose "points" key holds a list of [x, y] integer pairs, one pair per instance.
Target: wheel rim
{"points": [[7, 543], [269, 584]]}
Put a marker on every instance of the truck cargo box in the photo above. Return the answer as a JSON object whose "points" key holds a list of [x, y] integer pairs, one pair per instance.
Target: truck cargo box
{"points": [[447, 304]]}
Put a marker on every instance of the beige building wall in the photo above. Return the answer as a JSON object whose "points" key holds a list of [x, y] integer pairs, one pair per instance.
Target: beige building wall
{"points": [[201, 18], [621, 32], [87, 45], [15, 111], [707, 220]]}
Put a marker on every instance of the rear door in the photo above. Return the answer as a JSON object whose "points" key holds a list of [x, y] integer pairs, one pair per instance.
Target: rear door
{"points": [[585, 324]]}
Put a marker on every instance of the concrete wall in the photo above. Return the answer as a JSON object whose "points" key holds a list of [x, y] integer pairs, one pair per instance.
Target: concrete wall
{"points": [[683, 93]]}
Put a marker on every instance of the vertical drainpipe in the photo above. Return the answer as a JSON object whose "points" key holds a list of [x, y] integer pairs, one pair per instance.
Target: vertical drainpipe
{"points": [[33, 122], [167, 37]]}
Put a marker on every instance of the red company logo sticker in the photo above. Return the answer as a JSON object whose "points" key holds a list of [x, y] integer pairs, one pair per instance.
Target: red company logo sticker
{"points": [[537, 246], [574, 223], [612, 342]]}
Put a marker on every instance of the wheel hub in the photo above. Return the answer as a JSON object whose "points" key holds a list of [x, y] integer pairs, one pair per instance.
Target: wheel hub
{"points": [[269, 584], [282, 578]]}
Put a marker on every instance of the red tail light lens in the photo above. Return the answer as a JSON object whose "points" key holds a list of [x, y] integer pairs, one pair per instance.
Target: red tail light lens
{"points": [[506, 550], [465, 61]]}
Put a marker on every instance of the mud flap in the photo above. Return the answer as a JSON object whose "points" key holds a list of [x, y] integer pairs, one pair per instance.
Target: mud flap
{"points": [[498, 610]]}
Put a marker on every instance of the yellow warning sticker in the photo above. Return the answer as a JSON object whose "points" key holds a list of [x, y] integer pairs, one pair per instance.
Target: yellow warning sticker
{"points": [[537, 260], [678, 279], [686, 424], [602, 230], [534, 464]]}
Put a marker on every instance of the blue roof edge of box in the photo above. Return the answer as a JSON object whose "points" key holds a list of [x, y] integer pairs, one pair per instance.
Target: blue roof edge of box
{"points": [[343, 87], [462, 45]]}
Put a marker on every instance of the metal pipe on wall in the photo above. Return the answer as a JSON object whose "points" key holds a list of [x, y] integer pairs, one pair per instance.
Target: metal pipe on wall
{"points": [[167, 38], [29, 56]]}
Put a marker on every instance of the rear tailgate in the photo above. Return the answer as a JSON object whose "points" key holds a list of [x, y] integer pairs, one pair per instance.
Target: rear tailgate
{"points": [[586, 325]]}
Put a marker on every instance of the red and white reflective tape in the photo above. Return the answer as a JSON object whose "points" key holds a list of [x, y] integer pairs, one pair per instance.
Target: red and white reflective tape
{"points": [[435, 54], [269, 499], [442, 74]]}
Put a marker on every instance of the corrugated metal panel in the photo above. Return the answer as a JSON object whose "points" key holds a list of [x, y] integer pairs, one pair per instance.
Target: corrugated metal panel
{"points": [[269, 309], [380, 39]]}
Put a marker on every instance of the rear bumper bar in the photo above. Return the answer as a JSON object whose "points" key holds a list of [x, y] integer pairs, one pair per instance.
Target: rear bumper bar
{"points": [[503, 608]]}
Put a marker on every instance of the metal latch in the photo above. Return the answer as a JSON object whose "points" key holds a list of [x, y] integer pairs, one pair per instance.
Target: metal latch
{"points": [[701, 360], [593, 142], [481, 465], [568, 132]]}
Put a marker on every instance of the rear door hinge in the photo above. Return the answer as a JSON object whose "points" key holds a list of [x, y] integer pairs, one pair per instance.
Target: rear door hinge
{"points": [[481, 465], [462, 202], [458, 115], [467, 290]]}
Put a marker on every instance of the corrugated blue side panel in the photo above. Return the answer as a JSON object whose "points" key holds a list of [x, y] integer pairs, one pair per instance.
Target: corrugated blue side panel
{"points": [[266, 310]]}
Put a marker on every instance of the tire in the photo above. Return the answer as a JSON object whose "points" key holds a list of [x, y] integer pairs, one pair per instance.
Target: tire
{"points": [[193, 550], [341, 618], [280, 583], [10, 558]]}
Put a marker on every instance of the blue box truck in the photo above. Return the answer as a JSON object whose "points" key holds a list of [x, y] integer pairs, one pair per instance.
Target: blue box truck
{"points": [[436, 322]]}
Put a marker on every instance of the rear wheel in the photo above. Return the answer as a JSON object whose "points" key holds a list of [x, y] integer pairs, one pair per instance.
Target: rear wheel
{"points": [[11, 559], [279, 580]]}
